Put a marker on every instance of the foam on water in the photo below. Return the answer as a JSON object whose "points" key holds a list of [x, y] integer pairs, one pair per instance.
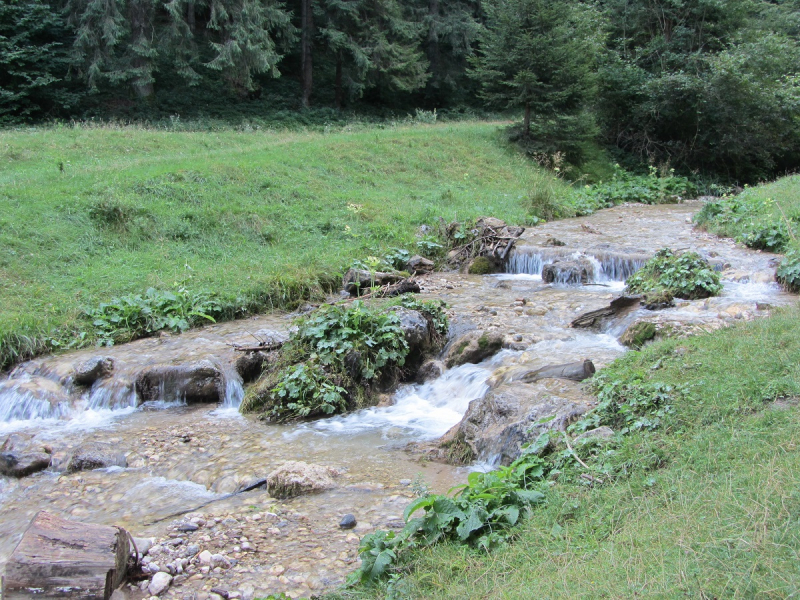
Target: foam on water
{"points": [[426, 411]]}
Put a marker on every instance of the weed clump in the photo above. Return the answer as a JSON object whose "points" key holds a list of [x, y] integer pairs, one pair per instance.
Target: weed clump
{"points": [[336, 360], [685, 275]]}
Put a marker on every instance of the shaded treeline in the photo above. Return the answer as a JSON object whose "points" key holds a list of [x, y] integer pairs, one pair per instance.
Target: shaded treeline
{"points": [[711, 86]]}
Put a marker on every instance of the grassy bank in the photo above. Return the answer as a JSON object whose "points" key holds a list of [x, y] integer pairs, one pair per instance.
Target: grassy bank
{"points": [[261, 218], [706, 506]]}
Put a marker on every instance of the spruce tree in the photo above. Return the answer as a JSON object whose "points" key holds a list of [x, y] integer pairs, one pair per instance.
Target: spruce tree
{"points": [[536, 55]]}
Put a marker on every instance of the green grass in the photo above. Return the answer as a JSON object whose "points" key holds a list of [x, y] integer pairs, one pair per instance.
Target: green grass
{"points": [[262, 218], [708, 506]]}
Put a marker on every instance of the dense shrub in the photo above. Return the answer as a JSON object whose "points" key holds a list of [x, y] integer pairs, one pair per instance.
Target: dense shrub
{"points": [[685, 275]]}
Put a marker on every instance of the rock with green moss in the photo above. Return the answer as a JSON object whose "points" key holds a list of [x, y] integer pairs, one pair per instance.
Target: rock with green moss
{"points": [[482, 265], [638, 334], [473, 347]]}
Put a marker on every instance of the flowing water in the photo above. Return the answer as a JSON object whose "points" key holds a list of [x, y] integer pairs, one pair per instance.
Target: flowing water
{"points": [[183, 456]]}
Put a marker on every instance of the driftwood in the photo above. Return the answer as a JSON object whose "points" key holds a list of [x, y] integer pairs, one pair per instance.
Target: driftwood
{"points": [[57, 558], [595, 317], [261, 347], [576, 371], [406, 286], [259, 483], [494, 241]]}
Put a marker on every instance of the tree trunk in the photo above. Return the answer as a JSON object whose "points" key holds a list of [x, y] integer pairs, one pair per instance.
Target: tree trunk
{"points": [[434, 55], [526, 122], [306, 40], [339, 94], [57, 558], [190, 16]]}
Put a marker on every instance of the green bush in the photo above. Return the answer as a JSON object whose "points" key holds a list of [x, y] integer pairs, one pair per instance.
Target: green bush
{"points": [[685, 275], [627, 187], [336, 358]]}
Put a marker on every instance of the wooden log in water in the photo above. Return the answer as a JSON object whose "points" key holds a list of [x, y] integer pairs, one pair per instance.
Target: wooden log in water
{"points": [[57, 558], [593, 318]]}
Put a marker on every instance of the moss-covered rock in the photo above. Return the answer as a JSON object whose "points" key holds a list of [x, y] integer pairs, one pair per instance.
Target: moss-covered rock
{"points": [[482, 265], [638, 334]]}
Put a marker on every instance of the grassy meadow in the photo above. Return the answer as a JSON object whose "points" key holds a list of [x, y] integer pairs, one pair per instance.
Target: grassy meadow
{"points": [[261, 218]]}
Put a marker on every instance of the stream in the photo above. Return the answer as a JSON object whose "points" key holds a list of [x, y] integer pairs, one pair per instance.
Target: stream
{"points": [[190, 457]]}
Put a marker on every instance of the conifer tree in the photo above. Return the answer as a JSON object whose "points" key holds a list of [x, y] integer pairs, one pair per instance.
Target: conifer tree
{"points": [[537, 55]]}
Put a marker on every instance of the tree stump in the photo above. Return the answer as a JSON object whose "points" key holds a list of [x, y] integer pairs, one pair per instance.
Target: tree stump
{"points": [[57, 558]]}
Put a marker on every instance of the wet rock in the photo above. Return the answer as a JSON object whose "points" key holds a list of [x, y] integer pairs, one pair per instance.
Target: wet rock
{"points": [[21, 455], [296, 478], [357, 280], [89, 371], [188, 526], [204, 557], [418, 265], [658, 300], [568, 271], [250, 365], [473, 347], [416, 328], [348, 522], [484, 223], [600, 433], [159, 584], [95, 455], [430, 369], [194, 382], [23, 464], [496, 426], [552, 241]]}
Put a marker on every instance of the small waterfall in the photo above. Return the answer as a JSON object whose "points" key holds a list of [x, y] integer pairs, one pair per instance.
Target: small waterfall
{"points": [[233, 387], [428, 409], [110, 394], [32, 397], [609, 266]]}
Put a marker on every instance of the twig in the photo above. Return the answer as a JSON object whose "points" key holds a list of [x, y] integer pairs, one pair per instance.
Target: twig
{"points": [[578, 458]]}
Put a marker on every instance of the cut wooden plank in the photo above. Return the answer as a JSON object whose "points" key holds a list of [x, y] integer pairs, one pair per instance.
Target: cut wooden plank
{"points": [[57, 558]]}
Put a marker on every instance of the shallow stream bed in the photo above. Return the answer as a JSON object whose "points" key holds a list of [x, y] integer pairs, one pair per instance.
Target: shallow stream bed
{"points": [[189, 458]]}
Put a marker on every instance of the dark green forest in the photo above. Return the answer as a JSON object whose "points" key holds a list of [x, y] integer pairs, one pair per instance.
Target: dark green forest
{"points": [[709, 87]]}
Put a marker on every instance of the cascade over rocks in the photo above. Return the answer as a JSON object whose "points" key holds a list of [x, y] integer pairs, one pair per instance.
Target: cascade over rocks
{"points": [[580, 270], [196, 382], [496, 426]]}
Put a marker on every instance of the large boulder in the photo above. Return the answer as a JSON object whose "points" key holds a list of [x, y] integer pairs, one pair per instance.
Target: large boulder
{"points": [[472, 347], [95, 455], [580, 270], [356, 280], [495, 427], [297, 478], [92, 369], [21, 455], [416, 329], [195, 382], [418, 265]]}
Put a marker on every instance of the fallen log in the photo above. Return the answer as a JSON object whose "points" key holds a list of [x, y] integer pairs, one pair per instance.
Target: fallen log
{"points": [[595, 317], [576, 371], [57, 558]]}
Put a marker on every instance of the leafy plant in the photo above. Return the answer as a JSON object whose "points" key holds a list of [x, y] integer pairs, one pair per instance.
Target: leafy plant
{"points": [[480, 513], [305, 390], [685, 275], [788, 272], [127, 317], [653, 188]]}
